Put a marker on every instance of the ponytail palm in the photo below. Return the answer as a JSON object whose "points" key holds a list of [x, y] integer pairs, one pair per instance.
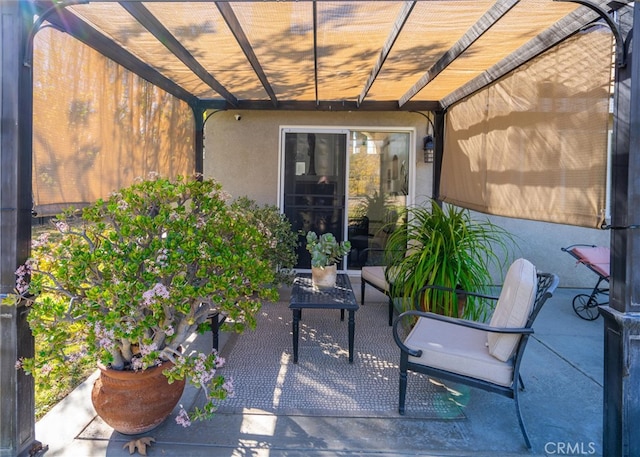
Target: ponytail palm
{"points": [[445, 247]]}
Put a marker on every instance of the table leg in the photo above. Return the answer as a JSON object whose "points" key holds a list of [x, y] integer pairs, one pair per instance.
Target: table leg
{"points": [[342, 314], [352, 328], [296, 330]]}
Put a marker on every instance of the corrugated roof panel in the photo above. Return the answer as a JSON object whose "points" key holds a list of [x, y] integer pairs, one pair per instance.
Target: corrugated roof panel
{"points": [[202, 30], [113, 21], [519, 26], [281, 35], [431, 30]]}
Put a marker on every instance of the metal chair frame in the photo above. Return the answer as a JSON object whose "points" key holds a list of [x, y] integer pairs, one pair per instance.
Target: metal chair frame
{"points": [[547, 284]]}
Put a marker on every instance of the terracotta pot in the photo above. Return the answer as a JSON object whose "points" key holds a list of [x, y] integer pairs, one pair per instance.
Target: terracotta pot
{"points": [[324, 277], [135, 402]]}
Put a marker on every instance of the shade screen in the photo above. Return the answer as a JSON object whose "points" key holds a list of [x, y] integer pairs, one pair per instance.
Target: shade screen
{"points": [[97, 127], [533, 145]]}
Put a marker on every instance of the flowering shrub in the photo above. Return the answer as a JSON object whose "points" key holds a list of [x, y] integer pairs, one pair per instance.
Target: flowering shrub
{"points": [[282, 252], [127, 280]]}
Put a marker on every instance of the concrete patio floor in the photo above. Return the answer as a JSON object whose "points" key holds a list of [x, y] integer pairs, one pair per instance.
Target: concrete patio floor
{"points": [[561, 406]]}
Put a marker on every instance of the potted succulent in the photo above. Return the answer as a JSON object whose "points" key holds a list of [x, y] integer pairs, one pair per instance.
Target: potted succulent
{"points": [[445, 247], [326, 252], [129, 279]]}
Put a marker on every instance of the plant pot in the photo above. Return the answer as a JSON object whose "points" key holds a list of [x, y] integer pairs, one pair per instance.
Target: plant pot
{"points": [[133, 402], [462, 303], [324, 277]]}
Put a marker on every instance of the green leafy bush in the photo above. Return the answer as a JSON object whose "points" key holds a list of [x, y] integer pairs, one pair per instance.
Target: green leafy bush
{"points": [[445, 247], [127, 280], [281, 253]]}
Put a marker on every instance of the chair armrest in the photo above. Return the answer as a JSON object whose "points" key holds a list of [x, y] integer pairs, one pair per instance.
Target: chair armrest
{"points": [[399, 342], [450, 289], [569, 248], [455, 321]]}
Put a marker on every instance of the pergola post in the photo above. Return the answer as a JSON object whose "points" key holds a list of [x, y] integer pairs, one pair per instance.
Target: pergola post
{"points": [[17, 418], [438, 134], [622, 321], [198, 114]]}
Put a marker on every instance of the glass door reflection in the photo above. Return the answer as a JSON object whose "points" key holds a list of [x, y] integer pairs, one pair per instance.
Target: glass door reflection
{"points": [[314, 186]]}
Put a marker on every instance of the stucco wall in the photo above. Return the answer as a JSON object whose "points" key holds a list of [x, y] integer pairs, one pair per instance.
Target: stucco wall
{"points": [[243, 156], [540, 242]]}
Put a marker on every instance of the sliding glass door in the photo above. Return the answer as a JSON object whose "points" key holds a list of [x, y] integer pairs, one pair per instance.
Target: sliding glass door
{"points": [[352, 183], [378, 192], [314, 185]]}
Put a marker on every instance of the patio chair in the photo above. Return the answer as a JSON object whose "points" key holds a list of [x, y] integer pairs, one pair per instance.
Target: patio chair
{"points": [[480, 355], [376, 276]]}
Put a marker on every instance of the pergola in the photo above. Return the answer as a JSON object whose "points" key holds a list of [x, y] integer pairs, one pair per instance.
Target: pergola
{"points": [[424, 56]]}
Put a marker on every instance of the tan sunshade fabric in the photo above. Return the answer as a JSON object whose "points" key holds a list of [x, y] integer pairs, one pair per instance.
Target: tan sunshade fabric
{"points": [[430, 31], [522, 23], [97, 126], [112, 20], [324, 51], [534, 144]]}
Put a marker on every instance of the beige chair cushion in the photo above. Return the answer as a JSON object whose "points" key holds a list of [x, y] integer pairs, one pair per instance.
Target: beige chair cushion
{"points": [[513, 308], [457, 349], [378, 276], [375, 275]]}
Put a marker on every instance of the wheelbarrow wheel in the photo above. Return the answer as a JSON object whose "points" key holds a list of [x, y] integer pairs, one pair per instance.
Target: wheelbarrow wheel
{"points": [[586, 307]]}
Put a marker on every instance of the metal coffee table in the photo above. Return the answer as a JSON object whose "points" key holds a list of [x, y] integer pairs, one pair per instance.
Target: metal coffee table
{"points": [[304, 295]]}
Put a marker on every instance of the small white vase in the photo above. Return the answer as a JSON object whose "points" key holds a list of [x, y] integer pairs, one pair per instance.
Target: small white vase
{"points": [[324, 277]]}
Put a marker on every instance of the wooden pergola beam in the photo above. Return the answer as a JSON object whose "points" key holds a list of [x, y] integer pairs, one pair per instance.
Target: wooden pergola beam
{"points": [[234, 25], [483, 24], [83, 32], [153, 25]]}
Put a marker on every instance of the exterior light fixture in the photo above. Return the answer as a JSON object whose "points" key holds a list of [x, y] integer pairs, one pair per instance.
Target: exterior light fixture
{"points": [[428, 147]]}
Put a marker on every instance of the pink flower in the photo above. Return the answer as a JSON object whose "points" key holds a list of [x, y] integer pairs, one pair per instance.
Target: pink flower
{"points": [[228, 386], [136, 364], [159, 290], [62, 226], [183, 418], [161, 260], [105, 338], [147, 349], [40, 241], [23, 271], [75, 357]]}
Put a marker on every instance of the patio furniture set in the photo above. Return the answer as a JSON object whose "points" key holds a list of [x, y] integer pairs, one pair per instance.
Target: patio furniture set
{"points": [[482, 355]]}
